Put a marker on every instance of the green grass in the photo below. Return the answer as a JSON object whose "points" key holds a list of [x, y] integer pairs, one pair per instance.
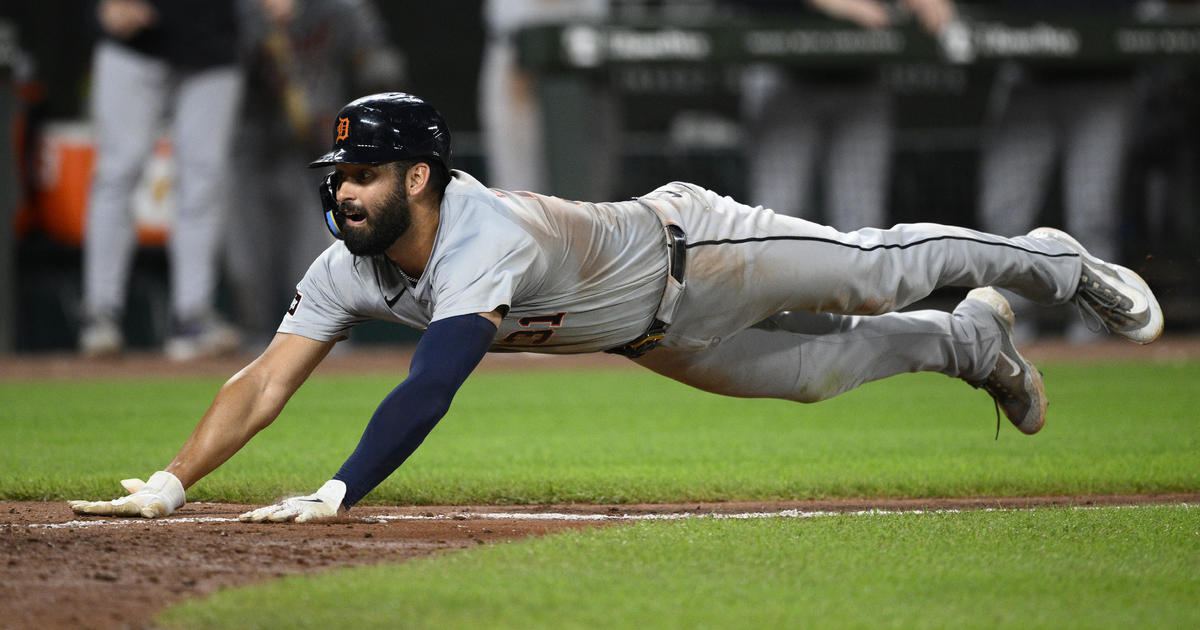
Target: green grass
{"points": [[628, 435], [625, 435], [1046, 568]]}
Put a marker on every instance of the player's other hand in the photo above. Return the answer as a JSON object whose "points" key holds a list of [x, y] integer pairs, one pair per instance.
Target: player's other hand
{"points": [[322, 504], [158, 496]]}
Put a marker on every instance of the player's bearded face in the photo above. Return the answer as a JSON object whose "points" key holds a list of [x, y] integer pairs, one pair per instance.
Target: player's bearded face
{"points": [[380, 227]]}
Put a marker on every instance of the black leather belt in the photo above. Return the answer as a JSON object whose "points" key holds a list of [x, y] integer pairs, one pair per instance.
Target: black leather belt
{"points": [[676, 264]]}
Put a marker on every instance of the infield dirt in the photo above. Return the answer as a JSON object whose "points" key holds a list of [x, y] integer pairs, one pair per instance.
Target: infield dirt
{"points": [[59, 571]]}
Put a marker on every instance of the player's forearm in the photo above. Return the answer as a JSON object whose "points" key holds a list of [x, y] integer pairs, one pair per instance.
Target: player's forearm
{"points": [[397, 428], [445, 356], [245, 405]]}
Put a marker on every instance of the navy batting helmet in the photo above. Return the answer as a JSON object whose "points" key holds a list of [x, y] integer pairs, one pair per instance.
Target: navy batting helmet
{"points": [[382, 128]]}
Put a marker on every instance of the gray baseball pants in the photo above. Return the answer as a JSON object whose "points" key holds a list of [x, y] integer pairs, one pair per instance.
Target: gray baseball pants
{"points": [[780, 307], [131, 94]]}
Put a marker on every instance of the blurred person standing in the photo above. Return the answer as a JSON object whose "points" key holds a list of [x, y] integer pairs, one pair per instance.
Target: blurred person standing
{"points": [[304, 60], [838, 121], [1041, 117], [174, 62], [510, 107]]}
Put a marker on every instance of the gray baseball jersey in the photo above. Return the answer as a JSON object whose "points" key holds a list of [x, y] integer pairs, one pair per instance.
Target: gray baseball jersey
{"points": [[574, 276]]}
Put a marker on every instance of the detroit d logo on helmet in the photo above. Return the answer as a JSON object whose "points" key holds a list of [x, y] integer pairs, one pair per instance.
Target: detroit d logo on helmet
{"points": [[343, 129]]}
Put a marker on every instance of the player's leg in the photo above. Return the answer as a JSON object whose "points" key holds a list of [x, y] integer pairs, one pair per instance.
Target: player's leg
{"points": [[512, 120], [783, 122], [204, 122], [128, 95], [752, 263], [857, 167], [253, 242], [772, 360], [1017, 161], [1097, 132], [1096, 144], [744, 267], [746, 264], [808, 358], [874, 271], [1021, 141]]}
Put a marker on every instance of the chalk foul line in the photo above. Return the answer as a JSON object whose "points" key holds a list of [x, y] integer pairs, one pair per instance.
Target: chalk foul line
{"points": [[561, 516]]}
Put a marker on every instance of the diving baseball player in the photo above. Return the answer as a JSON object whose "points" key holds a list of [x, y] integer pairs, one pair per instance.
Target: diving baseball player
{"points": [[697, 287]]}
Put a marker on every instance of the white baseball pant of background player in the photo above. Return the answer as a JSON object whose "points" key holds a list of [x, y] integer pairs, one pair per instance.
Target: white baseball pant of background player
{"points": [[843, 130], [510, 109], [133, 93]]}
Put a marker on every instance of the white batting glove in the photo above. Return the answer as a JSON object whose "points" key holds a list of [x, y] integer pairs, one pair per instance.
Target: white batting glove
{"points": [[322, 504], [158, 496]]}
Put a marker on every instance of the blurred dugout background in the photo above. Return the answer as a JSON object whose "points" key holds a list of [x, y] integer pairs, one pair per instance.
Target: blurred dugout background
{"points": [[680, 119]]}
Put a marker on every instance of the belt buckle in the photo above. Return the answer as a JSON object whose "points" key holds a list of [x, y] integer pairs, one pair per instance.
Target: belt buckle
{"points": [[643, 345]]}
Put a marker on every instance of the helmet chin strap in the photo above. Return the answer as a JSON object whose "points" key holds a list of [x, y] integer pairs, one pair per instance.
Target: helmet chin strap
{"points": [[333, 213]]}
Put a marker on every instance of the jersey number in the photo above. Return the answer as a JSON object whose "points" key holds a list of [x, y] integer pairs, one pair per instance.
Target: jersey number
{"points": [[535, 337]]}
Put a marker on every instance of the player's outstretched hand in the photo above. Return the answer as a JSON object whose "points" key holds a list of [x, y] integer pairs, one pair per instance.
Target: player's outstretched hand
{"points": [[322, 504], [158, 496]]}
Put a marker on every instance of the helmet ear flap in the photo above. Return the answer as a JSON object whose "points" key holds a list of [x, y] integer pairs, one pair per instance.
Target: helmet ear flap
{"points": [[328, 190]]}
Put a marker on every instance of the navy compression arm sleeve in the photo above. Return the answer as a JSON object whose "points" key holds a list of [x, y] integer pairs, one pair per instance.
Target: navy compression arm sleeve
{"points": [[446, 354]]}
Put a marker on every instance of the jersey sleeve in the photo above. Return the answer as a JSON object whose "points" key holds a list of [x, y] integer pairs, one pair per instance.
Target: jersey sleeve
{"points": [[320, 310], [479, 275]]}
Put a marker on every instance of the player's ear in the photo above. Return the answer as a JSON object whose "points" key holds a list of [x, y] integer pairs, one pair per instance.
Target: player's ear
{"points": [[416, 180]]}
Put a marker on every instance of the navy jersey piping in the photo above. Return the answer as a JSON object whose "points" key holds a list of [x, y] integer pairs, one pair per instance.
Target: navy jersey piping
{"points": [[817, 239]]}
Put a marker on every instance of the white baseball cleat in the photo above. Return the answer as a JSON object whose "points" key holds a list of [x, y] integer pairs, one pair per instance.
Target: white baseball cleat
{"points": [[101, 337], [201, 337], [1118, 297], [1015, 384]]}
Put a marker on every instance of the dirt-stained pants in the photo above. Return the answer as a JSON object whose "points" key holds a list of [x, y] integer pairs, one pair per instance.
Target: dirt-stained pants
{"points": [[776, 306]]}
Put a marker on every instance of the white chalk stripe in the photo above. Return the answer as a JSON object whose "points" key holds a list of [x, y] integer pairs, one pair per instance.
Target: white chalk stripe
{"points": [[125, 521], [558, 516]]}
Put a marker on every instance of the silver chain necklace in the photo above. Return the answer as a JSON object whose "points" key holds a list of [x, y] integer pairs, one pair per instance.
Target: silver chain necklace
{"points": [[411, 280]]}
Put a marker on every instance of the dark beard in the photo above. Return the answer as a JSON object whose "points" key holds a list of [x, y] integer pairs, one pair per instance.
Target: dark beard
{"points": [[381, 229]]}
